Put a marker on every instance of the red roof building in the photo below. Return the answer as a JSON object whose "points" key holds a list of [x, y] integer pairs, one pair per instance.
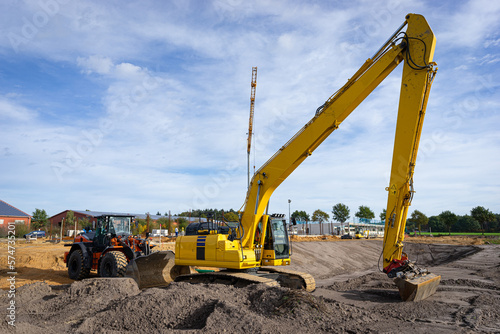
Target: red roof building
{"points": [[11, 215]]}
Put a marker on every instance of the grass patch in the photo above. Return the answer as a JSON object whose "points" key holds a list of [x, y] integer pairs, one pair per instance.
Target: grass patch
{"points": [[474, 234]]}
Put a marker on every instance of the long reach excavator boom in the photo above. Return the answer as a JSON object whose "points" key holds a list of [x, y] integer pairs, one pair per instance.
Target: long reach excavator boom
{"points": [[256, 248]]}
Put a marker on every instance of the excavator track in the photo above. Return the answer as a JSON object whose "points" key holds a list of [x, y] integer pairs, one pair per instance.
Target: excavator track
{"points": [[269, 276], [228, 278], [293, 279]]}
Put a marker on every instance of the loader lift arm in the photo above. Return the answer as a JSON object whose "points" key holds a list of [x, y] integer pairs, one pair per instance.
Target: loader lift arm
{"points": [[257, 230]]}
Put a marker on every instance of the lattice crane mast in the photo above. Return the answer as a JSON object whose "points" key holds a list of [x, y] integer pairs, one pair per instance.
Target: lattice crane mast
{"points": [[250, 121]]}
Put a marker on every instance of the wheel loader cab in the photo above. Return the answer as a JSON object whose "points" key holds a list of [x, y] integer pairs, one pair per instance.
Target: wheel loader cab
{"points": [[109, 227], [101, 236], [118, 225]]}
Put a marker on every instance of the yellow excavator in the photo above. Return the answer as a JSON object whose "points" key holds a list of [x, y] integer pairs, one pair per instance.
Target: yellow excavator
{"points": [[257, 248]]}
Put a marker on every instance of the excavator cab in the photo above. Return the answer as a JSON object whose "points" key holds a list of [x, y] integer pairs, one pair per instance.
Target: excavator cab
{"points": [[277, 243]]}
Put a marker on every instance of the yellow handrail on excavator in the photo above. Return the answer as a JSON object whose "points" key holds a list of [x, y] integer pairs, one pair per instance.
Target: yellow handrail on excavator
{"points": [[260, 241]]}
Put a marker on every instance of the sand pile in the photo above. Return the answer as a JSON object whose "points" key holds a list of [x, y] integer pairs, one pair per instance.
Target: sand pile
{"points": [[352, 296], [108, 305]]}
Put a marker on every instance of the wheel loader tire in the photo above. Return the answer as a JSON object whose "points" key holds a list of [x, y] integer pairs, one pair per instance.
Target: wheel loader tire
{"points": [[76, 266], [113, 264]]}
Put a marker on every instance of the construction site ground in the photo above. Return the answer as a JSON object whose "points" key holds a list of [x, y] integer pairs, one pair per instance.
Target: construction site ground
{"points": [[352, 294]]}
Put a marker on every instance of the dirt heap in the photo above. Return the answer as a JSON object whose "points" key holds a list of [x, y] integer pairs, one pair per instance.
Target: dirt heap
{"points": [[352, 296], [114, 305]]}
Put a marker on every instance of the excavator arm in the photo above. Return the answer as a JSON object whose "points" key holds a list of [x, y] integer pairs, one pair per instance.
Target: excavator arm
{"points": [[259, 241], [418, 74], [415, 49], [413, 282]]}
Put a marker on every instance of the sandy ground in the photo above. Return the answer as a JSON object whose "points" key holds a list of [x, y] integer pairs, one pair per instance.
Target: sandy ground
{"points": [[41, 261], [351, 296]]}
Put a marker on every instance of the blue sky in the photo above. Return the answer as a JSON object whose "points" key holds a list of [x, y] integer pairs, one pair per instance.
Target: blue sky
{"points": [[143, 106]]}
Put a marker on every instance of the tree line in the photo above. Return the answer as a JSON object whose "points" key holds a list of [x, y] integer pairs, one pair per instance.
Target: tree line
{"points": [[340, 213], [480, 219], [40, 220], [217, 214]]}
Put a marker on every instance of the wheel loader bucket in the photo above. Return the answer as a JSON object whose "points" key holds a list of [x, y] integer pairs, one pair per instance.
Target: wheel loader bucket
{"points": [[155, 269], [417, 288]]}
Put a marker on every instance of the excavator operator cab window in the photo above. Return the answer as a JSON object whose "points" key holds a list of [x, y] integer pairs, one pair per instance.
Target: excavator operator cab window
{"points": [[277, 238], [258, 234]]}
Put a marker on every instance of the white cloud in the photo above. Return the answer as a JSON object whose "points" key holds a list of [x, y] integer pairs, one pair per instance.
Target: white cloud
{"points": [[95, 64], [173, 111], [11, 110], [472, 23], [127, 69], [104, 66], [492, 42], [490, 59]]}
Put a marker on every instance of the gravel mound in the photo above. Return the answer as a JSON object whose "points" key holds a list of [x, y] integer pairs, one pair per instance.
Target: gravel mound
{"points": [[354, 301], [104, 288]]}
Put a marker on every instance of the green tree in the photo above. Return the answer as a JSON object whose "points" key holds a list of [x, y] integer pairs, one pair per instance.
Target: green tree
{"points": [[39, 219], [20, 231], [213, 213], [340, 213], [436, 224], [182, 223], [466, 224], [364, 212], [165, 223], [84, 224], [300, 216], [158, 213], [70, 219], [495, 225], [449, 219], [383, 214], [139, 227], [419, 219], [320, 216], [483, 216], [410, 225], [231, 216]]}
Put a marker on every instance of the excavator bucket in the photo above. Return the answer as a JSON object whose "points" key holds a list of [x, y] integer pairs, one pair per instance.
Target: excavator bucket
{"points": [[417, 288], [155, 269]]}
